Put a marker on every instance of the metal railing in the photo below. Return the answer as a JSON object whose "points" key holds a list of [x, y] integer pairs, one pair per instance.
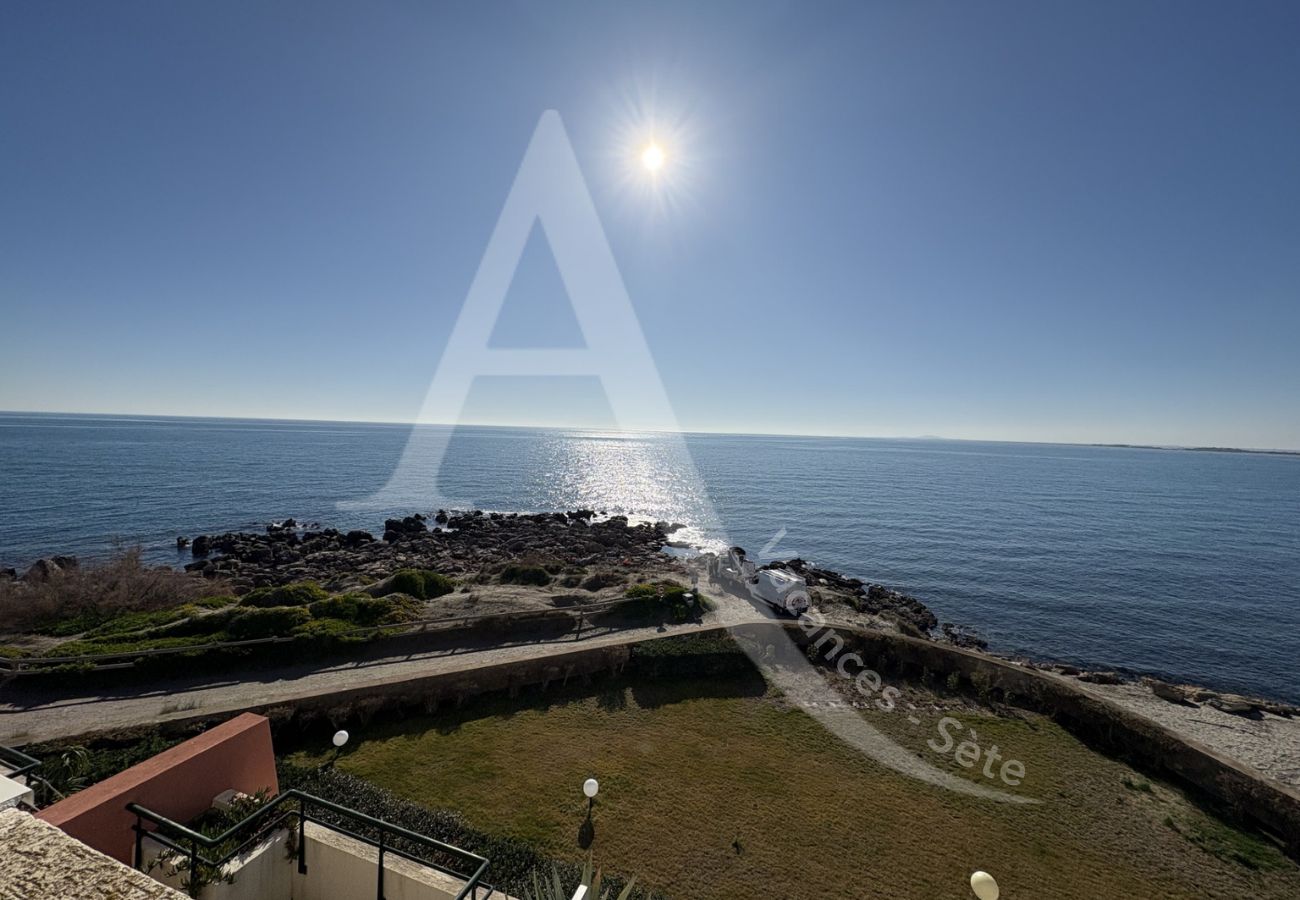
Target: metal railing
{"points": [[17, 764], [303, 808]]}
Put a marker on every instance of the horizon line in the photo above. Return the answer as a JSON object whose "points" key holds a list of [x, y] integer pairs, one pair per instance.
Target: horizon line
{"points": [[925, 437]]}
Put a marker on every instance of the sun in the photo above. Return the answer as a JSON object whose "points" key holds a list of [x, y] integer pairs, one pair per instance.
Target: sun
{"points": [[653, 157]]}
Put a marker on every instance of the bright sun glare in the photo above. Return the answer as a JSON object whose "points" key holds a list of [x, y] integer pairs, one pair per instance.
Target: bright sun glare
{"points": [[652, 157]]}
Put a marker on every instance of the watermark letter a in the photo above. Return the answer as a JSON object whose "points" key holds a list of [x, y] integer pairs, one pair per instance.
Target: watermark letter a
{"points": [[548, 190]]}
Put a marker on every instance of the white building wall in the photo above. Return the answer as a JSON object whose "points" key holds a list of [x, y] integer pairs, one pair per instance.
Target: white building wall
{"points": [[338, 868]]}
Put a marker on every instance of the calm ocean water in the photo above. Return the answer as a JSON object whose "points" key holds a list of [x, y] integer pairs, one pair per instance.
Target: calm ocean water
{"points": [[1179, 563]]}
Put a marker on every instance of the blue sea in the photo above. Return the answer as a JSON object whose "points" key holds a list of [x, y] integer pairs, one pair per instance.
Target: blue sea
{"points": [[1183, 564]]}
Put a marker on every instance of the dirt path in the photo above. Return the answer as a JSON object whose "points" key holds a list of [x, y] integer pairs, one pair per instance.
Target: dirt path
{"points": [[23, 722]]}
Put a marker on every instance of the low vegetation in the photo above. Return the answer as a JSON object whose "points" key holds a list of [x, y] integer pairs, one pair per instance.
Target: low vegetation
{"points": [[77, 598], [513, 861], [298, 594], [324, 619], [667, 599], [712, 786], [525, 574], [422, 584]]}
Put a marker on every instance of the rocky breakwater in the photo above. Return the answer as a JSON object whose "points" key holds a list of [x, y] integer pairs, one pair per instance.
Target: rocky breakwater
{"points": [[451, 543]]}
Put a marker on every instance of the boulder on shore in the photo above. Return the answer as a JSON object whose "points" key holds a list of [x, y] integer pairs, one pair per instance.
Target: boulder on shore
{"points": [[1170, 693]]}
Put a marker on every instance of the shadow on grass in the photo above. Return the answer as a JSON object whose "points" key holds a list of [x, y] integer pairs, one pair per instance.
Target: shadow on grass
{"points": [[613, 695]]}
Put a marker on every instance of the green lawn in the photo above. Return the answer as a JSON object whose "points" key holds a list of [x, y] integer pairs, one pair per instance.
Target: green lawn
{"points": [[727, 791]]}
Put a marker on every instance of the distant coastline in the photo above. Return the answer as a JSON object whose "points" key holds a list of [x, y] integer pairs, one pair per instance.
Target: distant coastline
{"points": [[166, 418], [1200, 449]]}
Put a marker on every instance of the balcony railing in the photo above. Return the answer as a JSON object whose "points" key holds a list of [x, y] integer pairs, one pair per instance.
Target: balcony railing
{"points": [[295, 809], [16, 765]]}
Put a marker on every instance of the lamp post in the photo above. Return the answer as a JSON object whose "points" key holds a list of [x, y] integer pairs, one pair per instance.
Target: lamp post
{"points": [[984, 886], [590, 787], [340, 738]]}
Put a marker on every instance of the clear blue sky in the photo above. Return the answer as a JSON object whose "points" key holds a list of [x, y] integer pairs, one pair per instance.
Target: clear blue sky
{"points": [[1032, 221]]}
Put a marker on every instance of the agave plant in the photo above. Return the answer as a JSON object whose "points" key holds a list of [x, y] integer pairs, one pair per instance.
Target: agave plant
{"points": [[554, 889]]}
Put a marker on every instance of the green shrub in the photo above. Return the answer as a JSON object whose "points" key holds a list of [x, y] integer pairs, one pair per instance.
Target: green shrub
{"points": [[693, 656], [524, 574], [76, 624], [663, 591], [363, 610], [603, 580], [216, 602], [421, 583], [12, 652], [665, 597], [96, 646], [139, 621], [327, 632], [298, 594], [269, 621]]}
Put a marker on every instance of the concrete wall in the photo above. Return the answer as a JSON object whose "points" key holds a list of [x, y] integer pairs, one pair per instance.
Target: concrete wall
{"points": [[341, 868], [338, 868], [178, 783]]}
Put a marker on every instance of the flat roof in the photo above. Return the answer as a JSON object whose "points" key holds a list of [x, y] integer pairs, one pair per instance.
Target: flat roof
{"points": [[39, 860]]}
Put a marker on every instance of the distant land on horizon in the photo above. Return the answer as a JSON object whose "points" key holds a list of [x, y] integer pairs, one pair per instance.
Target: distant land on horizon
{"points": [[1200, 449], [923, 437]]}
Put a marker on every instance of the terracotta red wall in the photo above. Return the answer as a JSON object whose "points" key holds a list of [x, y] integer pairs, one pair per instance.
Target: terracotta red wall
{"points": [[178, 783]]}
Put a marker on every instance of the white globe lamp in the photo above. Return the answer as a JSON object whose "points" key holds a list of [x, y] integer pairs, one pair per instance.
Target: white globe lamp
{"points": [[340, 738], [984, 886], [591, 787]]}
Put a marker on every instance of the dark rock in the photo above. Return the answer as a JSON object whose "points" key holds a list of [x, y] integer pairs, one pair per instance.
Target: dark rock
{"points": [[202, 546], [963, 636], [1170, 693], [66, 563], [41, 571], [1236, 707], [1068, 670], [8, 574], [399, 529], [357, 538], [1101, 678], [441, 517], [182, 543]]}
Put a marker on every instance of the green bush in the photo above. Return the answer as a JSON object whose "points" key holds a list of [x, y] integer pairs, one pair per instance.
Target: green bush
{"points": [[298, 594], [663, 597], [139, 621], [603, 580], [327, 632], [421, 583], [363, 610], [210, 624], [523, 574], [96, 646], [270, 621], [66, 627], [216, 602], [694, 656]]}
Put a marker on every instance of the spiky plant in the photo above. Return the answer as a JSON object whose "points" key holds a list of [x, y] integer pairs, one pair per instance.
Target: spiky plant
{"points": [[554, 889]]}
